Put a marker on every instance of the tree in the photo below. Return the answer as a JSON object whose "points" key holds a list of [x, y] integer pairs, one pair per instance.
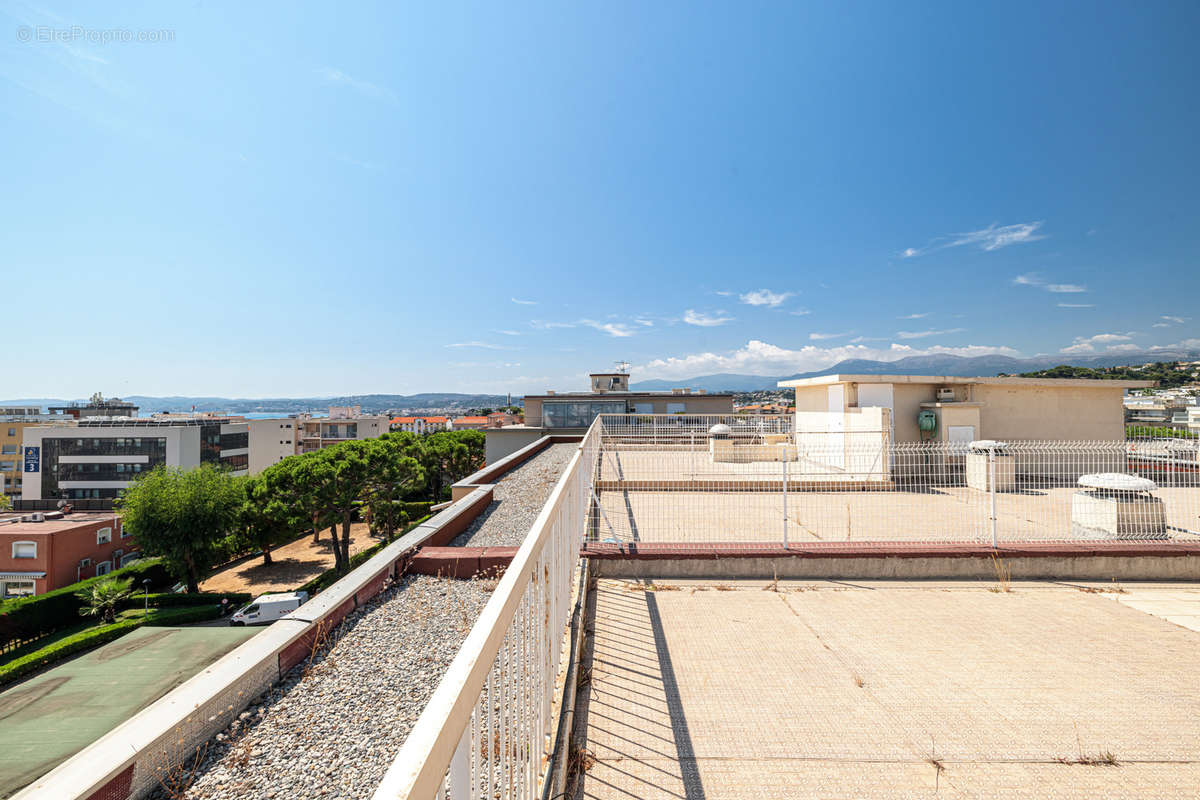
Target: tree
{"points": [[181, 516], [5, 503], [266, 517], [391, 473], [101, 599]]}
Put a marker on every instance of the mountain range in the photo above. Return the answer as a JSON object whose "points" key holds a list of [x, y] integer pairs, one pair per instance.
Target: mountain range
{"points": [[916, 365]]}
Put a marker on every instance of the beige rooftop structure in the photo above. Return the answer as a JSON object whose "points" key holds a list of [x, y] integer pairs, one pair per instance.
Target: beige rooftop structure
{"points": [[968, 408]]}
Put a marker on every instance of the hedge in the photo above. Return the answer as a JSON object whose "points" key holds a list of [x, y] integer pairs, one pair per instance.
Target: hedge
{"points": [[177, 599], [29, 618], [331, 576], [94, 637]]}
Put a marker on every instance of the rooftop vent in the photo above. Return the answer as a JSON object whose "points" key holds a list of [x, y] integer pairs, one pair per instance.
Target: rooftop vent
{"points": [[945, 395]]}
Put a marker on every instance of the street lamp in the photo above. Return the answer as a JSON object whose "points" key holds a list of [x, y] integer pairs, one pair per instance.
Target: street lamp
{"points": [[146, 589]]}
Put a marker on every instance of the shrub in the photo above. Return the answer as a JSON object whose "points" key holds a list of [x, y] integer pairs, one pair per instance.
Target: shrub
{"points": [[28, 618], [176, 600], [102, 634]]}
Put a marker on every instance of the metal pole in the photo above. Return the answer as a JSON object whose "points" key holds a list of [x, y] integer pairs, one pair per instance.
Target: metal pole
{"points": [[785, 488], [992, 488]]}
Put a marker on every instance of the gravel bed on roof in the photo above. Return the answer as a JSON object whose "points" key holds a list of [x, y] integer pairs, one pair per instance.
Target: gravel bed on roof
{"points": [[331, 730], [517, 500]]}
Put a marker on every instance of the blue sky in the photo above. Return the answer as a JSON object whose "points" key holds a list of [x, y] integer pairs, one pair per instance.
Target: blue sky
{"points": [[267, 199]]}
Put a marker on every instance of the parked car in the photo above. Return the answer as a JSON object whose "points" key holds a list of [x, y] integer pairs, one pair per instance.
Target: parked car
{"points": [[268, 608]]}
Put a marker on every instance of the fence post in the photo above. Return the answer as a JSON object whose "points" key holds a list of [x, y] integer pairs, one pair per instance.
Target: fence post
{"points": [[992, 489], [460, 765], [785, 488]]}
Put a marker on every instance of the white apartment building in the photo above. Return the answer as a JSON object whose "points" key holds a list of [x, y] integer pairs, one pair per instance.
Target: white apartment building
{"points": [[420, 424], [271, 441], [96, 459], [344, 423]]}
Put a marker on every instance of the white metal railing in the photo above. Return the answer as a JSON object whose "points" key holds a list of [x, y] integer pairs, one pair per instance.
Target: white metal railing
{"points": [[656, 483], [486, 731]]}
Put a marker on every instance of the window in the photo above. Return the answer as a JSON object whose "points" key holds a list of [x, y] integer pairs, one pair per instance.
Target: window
{"points": [[676, 408], [104, 536], [121, 528], [18, 588], [104, 567], [12, 431], [577, 414], [24, 550], [8, 450], [129, 558], [84, 563], [9, 466], [643, 408]]}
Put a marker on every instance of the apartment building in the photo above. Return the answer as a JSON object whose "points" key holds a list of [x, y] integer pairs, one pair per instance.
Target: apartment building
{"points": [[94, 459], [420, 424], [40, 552], [344, 424], [571, 413], [470, 423], [271, 441], [97, 406]]}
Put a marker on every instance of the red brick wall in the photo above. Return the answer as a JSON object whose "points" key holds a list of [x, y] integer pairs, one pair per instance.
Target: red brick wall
{"points": [[60, 551]]}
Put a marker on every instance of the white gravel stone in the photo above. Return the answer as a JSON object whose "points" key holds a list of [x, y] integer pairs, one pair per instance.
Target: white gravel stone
{"points": [[331, 729], [517, 499]]}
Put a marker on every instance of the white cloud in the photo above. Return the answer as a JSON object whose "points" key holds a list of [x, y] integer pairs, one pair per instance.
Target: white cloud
{"points": [[993, 237], [1122, 348], [649, 323], [617, 329], [524, 302], [765, 297], [703, 320], [922, 315], [800, 312], [1176, 320], [543, 325], [336, 77], [723, 293], [508, 333], [926, 334], [1161, 325], [1034, 279], [482, 345], [1087, 344], [1076, 305], [817, 337], [761, 358], [1186, 344]]}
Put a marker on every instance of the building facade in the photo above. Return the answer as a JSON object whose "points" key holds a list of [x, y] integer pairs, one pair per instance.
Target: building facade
{"points": [[315, 433], [967, 409], [571, 413], [420, 424], [42, 552], [271, 441], [13, 422], [96, 459]]}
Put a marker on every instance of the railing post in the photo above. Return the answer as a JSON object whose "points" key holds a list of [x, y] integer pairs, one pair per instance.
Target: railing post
{"points": [[460, 766], [992, 489], [785, 488]]}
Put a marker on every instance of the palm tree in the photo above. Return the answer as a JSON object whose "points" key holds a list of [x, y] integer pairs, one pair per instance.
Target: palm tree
{"points": [[102, 598]]}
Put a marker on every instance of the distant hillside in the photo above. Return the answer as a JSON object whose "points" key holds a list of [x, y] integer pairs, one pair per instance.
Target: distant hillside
{"points": [[373, 403], [1165, 374], [918, 365]]}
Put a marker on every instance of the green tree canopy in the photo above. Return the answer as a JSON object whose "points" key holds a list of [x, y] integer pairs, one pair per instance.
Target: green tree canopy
{"points": [[182, 516]]}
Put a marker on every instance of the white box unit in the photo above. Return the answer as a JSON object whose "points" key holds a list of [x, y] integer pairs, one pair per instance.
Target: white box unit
{"points": [[945, 395]]}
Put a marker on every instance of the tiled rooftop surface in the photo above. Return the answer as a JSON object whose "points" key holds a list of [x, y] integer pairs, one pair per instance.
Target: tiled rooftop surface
{"points": [[890, 689]]}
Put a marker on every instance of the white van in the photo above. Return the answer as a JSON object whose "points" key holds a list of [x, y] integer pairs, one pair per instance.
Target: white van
{"points": [[268, 608]]}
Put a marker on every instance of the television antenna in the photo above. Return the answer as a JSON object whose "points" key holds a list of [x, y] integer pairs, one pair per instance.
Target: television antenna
{"points": [[622, 367]]}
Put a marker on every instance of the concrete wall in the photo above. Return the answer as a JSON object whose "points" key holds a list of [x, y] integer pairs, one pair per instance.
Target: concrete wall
{"points": [[1055, 413], [271, 441], [502, 442]]}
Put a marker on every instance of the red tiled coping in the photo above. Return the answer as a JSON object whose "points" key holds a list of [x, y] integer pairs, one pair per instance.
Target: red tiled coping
{"points": [[716, 550], [462, 562]]}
